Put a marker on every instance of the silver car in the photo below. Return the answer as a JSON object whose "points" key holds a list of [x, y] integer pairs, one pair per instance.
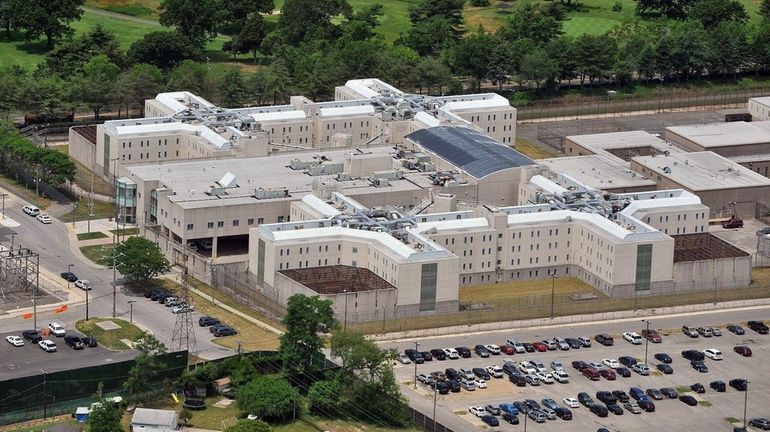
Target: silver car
{"points": [[563, 345]]}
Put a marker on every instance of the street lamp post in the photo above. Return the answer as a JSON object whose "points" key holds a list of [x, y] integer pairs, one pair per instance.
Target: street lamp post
{"points": [[416, 344], [435, 400], [553, 289], [87, 303], [131, 311], [745, 402], [646, 340], [74, 210], [117, 231], [525, 422], [3, 197], [69, 274], [13, 235], [34, 309], [345, 322]]}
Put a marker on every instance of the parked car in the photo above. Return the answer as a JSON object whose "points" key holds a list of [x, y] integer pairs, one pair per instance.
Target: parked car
{"points": [[689, 331], [652, 336], [633, 337], [438, 376], [423, 378], [699, 366], [647, 405], [623, 371], [584, 341], [611, 363], [735, 328], [705, 331], [493, 349], [604, 339], [452, 373], [585, 399], [44, 218], [545, 377], [663, 357], [15, 340], [637, 393], [454, 386], [492, 409], [608, 374], [527, 368], [571, 402], [606, 397], [518, 380], [507, 349], [665, 368], [537, 416], [761, 423], [689, 400], [47, 345], [713, 354], [563, 413], [495, 371], [509, 368], [627, 361], [481, 373], [532, 379], [83, 284], [693, 355], [467, 373], [490, 420], [669, 392], [74, 342], [451, 353], [509, 408], [599, 410], [739, 384], [641, 369], [733, 222], [56, 329], [591, 374], [481, 351], [528, 347], [538, 365], [183, 308], [32, 336], [468, 385], [206, 321], [718, 386], [632, 407], [573, 343], [478, 411], [173, 301], [562, 343], [539, 346], [743, 350], [758, 326], [225, 331], [440, 386], [426, 355], [30, 210], [464, 352], [69, 276], [414, 356], [716, 331], [620, 395], [654, 394], [579, 365], [615, 409], [698, 388], [511, 418], [557, 365], [438, 354], [561, 376]]}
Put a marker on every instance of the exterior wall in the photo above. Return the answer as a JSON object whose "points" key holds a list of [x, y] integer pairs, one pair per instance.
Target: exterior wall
{"points": [[499, 123], [758, 111], [673, 221], [572, 148], [500, 188], [299, 132], [476, 250], [81, 149], [758, 166], [153, 108], [724, 273], [358, 127]]}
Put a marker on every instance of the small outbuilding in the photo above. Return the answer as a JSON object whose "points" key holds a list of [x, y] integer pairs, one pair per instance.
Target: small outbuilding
{"points": [[81, 414], [221, 384], [154, 420]]}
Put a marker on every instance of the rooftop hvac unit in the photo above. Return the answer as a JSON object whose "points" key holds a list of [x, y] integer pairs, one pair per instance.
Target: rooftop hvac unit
{"points": [[426, 167], [271, 193], [297, 164], [380, 182], [389, 174], [343, 177]]}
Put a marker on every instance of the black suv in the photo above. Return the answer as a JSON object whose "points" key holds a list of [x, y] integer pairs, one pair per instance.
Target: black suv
{"points": [[585, 399], [222, 331], [627, 361], [605, 339], [518, 380], [606, 397], [32, 336], [74, 342], [426, 355], [206, 321], [718, 386], [89, 341], [739, 384], [621, 395], [438, 354], [414, 356], [481, 351], [758, 326], [464, 352], [451, 374], [599, 410], [693, 355], [481, 373]]}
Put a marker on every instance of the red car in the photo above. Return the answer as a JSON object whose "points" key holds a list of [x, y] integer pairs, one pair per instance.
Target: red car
{"points": [[733, 222], [507, 349], [743, 350], [539, 346], [591, 374], [652, 335], [608, 374]]}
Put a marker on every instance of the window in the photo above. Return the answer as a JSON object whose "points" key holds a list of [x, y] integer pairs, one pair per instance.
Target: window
{"points": [[260, 221], [220, 224], [251, 221], [189, 227], [280, 219], [355, 249], [428, 281], [643, 267], [210, 225], [236, 222]]}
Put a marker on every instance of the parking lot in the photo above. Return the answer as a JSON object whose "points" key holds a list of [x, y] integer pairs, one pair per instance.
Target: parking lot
{"points": [[30, 359], [710, 414]]}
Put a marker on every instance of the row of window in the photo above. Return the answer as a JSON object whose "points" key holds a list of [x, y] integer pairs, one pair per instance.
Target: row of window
{"points": [[141, 143]]}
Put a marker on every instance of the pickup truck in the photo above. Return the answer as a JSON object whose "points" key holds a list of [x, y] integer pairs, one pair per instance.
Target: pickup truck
{"points": [[733, 222]]}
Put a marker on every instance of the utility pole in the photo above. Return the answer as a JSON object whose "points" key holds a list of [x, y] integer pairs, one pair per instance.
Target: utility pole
{"points": [[87, 303], [646, 340], [745, 402], [435, 400], [345, 325], [3, 197], [114, 276], [416, 344], [117, 227], [131, 313], [553, 288], [69, 273], [91, 202]]}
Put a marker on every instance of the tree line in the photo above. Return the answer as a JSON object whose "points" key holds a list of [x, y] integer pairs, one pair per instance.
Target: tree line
{"points": [[21, 157], [313, 46]]}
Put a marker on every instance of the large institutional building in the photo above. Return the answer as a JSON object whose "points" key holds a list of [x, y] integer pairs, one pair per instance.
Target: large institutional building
{"points": [[397, 200]]}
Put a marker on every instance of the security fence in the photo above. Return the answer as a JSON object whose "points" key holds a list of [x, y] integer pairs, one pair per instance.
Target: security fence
{"points": [[49, 393]]}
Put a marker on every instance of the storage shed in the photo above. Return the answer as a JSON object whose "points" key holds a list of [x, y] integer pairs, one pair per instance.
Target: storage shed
{"points": [[154, 420]]}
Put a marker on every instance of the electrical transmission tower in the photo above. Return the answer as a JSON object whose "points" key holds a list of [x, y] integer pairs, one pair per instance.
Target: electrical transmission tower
{"points": [[19, 272], [184, 330]]}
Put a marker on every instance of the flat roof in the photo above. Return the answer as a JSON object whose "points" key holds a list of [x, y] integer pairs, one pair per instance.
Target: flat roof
{"points": [[598, 171], [192, 179], [703, 246], [279, 115], [763, 100], [616, 140], [468, 149], [454, 224], [153, 129], [701, 171], [724, 134], [337, 279], [610, 227]]}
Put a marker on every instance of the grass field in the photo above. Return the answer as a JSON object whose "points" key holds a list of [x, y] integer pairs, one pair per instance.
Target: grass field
{"points": [[101, 210], [511, 290], [110, 338], [93, 235], [99, 254]]}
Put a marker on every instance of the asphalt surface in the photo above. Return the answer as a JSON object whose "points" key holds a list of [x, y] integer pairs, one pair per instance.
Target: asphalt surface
{"points": [[52, 243], [669, 415]]}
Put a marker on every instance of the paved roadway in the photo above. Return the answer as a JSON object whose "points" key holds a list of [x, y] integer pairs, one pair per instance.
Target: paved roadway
{"points": [[670, 416], [52, 243]]}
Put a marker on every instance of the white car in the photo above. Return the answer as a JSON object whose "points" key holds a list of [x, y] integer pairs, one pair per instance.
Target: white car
{"points": [[527, 368], [83, 284], [495, 371], [571, 402], [545, 377], [424, 378], [56, 329], [532, 379], [597, 366], [182, 309], [481, 383], [538, 365], [611, 363], [713, 354], [31, 210], [478, 411], [561, 376], [47, 345], [404, 359], [517, 346], [633, 337], [44, 218], [451, 353], [584, 341], [556, 365], [15, 340], [493, 349]]}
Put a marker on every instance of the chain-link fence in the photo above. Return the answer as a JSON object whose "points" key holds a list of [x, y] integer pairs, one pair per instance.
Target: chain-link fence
{"points": [[425, 422]]}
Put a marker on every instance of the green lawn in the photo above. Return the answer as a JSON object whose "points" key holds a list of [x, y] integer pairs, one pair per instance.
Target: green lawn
{"points": [[93, 235], [99, 254], [110, 338], [101, 210], [125, 231]]}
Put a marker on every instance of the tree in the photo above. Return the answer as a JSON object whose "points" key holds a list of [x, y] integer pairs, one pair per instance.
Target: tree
{"points": [[96, 84], [139, 259], [764, 9], [69, 57], [713, 12], [6, 16], [269, 397], [595, 57], [538, 67], [249, 426], [139, 83], [539, 23], [675, 9], [105, 416], [142, 376], [42, 95], [760, 51], [190, 76], [232, 88], [250, 37], [432, 73], [436, 25], [729, 45], [303, 20], [472, 56], [301, 345], [46, 18], [327, 397], [163, 49], [197, 20], [233, 14], [11, 80]]}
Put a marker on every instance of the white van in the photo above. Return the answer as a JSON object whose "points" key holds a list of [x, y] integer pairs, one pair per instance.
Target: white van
{"points": [[31, 210]]}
